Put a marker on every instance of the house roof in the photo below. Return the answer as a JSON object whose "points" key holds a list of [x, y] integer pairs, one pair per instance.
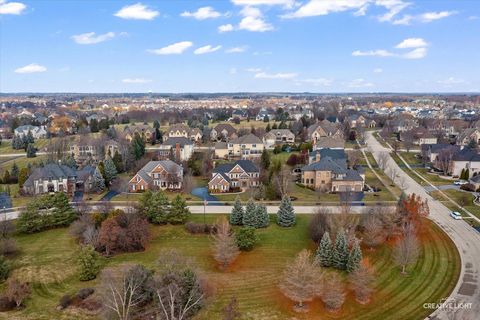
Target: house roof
{"points": [[182, 141], [351, 175], [326, 164], [437, 147], [52, 170], [249, 138], [330, 142], [466, 154], [246, 165], [168, 165], [225, 126]]}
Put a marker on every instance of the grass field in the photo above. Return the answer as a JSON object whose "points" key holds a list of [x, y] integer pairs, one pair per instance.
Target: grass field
{"points": [[252, 279], [464, 199], [21, 162]]}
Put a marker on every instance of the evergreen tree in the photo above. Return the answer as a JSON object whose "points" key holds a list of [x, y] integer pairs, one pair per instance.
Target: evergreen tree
{"points": [[30, 137], [98, 183], [6, 177], [110, 171], [31, 151], [236, 216], [88, 261], [467, 174], [249, 217], [354, 257], [267, 129], [22, 176], [69, 161], [179, 211], [4, 268], [156, 124], [138, 145], [155, 206], [118, 161], [340, 251], [265, 159], [462, 174], [14, 173], [94, 125], [282, 125], [274, 126], [286, 214], [263, 219], [325, 251], [63, 214]]}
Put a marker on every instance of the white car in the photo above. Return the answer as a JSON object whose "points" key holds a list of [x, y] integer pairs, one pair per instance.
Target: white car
{"points": [[456, 215], [460, 182]]}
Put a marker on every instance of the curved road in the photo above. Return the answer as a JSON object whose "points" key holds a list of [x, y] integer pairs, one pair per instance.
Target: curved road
{"points": [[465, 238]]}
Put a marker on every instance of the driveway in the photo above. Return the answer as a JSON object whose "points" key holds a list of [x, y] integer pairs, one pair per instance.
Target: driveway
{"points": [[466, 239], [429, 188], [5, 201], [77, 196], [202, 193], [109, 195]]}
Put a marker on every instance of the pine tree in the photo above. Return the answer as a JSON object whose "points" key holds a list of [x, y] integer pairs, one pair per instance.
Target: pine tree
{"points": [[110, 171], [467, 174], [249, 217], [63, 213], [30, 137], [354, 257], [118, 161], [340, 251], [263, 219], [236, 217], [155, 206], [98, 183], [14, 173], [267, 129], [179, 211], [88, 263], [325, 251], [285, 214], [31, 151], [265, 159]]}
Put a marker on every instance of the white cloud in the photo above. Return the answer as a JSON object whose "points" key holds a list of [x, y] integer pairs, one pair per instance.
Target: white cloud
{"points": [[176, 48], [136, 80], [225, 28], [31, 68], [206, 49], [255, 70], [233, 71], [359, 83], [432, 16], [202, 14], [451, 81], [236, 49], [323, 82], [92, 38], [285, 3], [376, 53], [377, 70], [417, 53], [321, 8], [253, 20], [264, 75], [394, 7], [473, 18], [412, 43], [15, 8], [405, 20], [137, 11]]}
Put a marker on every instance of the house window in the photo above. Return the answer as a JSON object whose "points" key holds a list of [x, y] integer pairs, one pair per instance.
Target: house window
{"points": [[141, 187]]}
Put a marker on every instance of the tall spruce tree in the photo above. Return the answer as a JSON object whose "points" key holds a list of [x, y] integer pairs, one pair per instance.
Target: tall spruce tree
{"points": [[249, 217], [285, 214], [340, 251], [63, 213], [110, 170], [325, 251], [354, 257], [263, 219], [98, 183], [236, 216], [179, 211]]}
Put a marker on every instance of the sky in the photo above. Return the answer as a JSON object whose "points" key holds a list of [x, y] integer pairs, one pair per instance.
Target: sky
{"points": [[322, 46]]}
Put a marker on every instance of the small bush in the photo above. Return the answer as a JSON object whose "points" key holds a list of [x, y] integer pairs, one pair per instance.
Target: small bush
{"points": [[88, 261], [198, 228], [246, 238], [65, 301], [6, 304], [8, 246], [90, 304], [4, 268], [468, 187], [84, 293]]}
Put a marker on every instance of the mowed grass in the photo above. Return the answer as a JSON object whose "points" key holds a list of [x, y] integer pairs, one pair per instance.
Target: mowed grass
{"points": [[47, 260]]}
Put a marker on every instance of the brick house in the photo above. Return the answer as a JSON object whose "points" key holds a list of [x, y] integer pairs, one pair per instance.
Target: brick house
{"points": [[181, 130], [238, 175], [164, 174], [324, 128]]}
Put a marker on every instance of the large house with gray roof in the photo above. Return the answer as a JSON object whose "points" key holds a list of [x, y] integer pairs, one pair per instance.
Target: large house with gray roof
{"points": [[246, 147], [164, 174], [234, 176]]}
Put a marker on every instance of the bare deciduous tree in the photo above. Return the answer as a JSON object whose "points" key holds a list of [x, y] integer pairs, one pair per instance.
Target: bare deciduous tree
{"points": [[17, 291], [334, 297], [407, 249], [361, 282], [225, 249], [188, 183], [283, 181], [373, 233], [301, 280], [392, 173], [383, 160]]}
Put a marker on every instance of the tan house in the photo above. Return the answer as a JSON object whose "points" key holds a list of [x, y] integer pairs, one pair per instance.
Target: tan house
{"points": [[223, 132], [324, 128], [244, 147], [235, 176], [278, 137], [467, 135], [164, 174], [144, 131], [181, 130], [93, 150]]}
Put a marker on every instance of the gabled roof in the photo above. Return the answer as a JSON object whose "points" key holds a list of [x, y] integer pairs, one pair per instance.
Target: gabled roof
{"points": [[437, 147], [168, 165], [182, 141], [52, 170], [326, 164], [249, 138], [225, 126], [330, 142], [247, 165], [466, 154]]}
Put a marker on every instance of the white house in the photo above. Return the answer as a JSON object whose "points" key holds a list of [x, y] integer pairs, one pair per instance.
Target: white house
{"points": [[37, 131]]}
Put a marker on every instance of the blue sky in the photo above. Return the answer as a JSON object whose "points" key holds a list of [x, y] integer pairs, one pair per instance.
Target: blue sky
{"points": [[240, 45]]}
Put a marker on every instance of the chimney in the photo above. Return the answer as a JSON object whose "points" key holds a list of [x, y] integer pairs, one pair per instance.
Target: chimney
{"points": [[317, 156], [177, 151]]}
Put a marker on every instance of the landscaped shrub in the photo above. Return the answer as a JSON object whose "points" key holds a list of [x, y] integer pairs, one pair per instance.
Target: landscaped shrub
{"points": [[197, 228], [65, 301], [468, 187], [4, 268], [246, 238], [6, 304], [84, 293], [8, 246], [88, 263]]}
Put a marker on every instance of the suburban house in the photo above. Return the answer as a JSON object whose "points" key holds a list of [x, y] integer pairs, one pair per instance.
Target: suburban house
{"points": [[330, 143], [403, 122], [278, 136], [223, 132], [431, 152], [324, 128], [84, 150], [265, 113], [55, 177], [245, 147], [336, 154], [356, 120], [418, 136], [177, 149], [475, 180], [163, 174], [234, 176], [240, 114], [297, 115], [182, 130], [370, 123], [467, 135], [465, 159], [37, 131], [142, 130], [332, 175]]}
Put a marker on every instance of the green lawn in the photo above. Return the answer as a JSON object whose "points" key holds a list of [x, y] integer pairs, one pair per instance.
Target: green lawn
{"points": [[21, 162], [464, 199], [252, 279]]}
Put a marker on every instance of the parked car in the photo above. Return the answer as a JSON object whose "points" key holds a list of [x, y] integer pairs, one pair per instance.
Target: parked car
{"points": [[460, 182], [456, 215]]}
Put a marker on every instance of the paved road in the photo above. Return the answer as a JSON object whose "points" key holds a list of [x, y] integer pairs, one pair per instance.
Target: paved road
{"points": [[465, 238]]}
